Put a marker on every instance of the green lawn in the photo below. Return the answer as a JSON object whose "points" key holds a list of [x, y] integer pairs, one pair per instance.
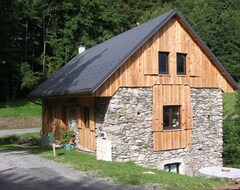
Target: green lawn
{"points": [[20, 109], [229, 100], [126, 173]]}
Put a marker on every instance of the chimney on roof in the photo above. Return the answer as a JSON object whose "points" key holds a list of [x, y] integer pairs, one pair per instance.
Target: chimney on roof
{"points": [[81, 49]]}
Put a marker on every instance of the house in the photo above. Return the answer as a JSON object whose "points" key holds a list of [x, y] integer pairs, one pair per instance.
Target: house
{"points": [[152, 95]]}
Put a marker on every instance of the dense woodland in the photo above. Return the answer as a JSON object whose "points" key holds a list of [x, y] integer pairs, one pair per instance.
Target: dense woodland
{"points": [[38, 37]]}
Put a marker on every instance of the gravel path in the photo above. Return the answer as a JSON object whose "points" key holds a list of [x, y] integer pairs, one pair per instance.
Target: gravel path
{"points": [[4, 133], [21, 170]]}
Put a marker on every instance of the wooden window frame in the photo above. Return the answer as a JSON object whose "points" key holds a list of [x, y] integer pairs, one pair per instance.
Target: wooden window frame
{"points": [[184, 63], [160, 53], [170, 127]]}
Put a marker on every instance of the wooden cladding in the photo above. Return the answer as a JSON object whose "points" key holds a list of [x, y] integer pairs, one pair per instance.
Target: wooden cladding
{"points": [[168, 140], [85, 122], [171, 95], [151, 62], [54, 119], [141, 69]]}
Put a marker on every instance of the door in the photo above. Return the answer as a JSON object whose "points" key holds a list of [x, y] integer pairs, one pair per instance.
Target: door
{"points": [[86, 123]]}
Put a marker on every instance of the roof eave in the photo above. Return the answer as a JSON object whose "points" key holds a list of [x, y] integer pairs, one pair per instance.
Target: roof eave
{"points": [[122, 61], [84, 92]]}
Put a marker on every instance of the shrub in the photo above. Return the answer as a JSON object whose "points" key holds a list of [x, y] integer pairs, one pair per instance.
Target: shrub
{"points": [[231, 142]]}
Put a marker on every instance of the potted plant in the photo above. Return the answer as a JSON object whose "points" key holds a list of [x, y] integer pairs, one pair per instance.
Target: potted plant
{"points": [[68, 136]]}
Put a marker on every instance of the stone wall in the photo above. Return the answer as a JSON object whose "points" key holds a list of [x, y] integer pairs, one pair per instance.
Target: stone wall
{"points": [[72, 118], [126, 119]]}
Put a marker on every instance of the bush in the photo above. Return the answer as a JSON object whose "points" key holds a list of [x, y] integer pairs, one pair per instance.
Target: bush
{"points": [[10, 140], [231, 142]]}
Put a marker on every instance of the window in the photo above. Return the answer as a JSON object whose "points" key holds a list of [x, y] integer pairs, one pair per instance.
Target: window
{"points": [[174, 167], [86, 116], [64, 115], [171, 117], [163, 62], [181, 64], [49, 114]]}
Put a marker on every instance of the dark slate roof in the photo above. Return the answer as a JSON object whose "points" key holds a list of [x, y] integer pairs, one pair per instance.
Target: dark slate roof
{"points": [[86, 72]]}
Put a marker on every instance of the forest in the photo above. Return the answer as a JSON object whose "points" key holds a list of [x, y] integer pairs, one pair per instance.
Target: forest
{"points": [[38, 37]]}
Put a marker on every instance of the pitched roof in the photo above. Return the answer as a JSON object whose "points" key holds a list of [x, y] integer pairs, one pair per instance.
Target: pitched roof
{"points": [[86, 72]]}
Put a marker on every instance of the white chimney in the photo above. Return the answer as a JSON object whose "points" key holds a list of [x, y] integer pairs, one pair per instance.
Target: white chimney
{"points": [[81, 49]]}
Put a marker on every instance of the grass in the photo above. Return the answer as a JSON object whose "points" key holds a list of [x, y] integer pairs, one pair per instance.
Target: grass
{"points": [[229, 100], [125, 173], [20, 109]]}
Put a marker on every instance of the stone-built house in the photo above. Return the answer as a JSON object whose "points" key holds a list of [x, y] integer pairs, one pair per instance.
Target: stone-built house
{"points": [[151, 95]]}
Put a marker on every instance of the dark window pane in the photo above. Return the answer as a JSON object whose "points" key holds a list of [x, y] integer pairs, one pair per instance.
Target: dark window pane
{"points": [[171, 117], [166, 116], [86, 116], [163, 63], [181, 64], [174, 167], [64, 115]]}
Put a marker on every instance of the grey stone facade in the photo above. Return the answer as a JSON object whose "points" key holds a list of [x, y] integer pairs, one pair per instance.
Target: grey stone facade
{"points": [[126, 118], [72, 118]]}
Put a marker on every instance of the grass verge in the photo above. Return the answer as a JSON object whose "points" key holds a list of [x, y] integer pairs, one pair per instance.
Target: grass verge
{"points": [[126, 173], [20, 109], [229, 100]]}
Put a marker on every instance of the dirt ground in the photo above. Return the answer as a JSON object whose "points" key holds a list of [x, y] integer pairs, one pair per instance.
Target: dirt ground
{"points": [[229, 187], [18, 123]]}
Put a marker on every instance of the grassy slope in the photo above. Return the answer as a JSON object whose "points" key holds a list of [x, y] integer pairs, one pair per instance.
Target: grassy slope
{"points": [[126, 173], [121, 172], [20, 109], [229, 100]]}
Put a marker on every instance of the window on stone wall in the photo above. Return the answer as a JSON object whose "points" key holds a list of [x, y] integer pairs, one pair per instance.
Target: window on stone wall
{"points": [[163, 62], [173, 167], [86, 116], [171, 117]]}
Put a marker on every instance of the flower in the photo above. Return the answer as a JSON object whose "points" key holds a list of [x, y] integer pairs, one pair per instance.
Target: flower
{"points": [[67, 135]]}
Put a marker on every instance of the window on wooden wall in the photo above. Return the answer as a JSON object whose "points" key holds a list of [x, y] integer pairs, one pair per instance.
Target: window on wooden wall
{"points": [[49, 114], [171, 117], [181, 64], [86, 116], [64, 115], [174, 167], [163, 63]]}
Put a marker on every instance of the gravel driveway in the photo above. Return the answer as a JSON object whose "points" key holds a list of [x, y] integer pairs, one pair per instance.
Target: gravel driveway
{"points": [[21, 170]]}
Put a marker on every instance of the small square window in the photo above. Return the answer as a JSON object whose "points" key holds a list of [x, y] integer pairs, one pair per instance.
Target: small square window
{"points": [[174, 167], [163, 62], [181, 64], [171, 117]]}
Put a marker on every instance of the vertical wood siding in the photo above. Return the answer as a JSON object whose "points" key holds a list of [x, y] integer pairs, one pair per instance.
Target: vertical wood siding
{"points": [[141, 69], [164, 95]]}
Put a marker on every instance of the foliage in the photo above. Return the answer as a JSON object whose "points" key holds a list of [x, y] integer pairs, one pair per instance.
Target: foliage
{"points": [[14, 139], [229, 104], [231, 151], [39, 37], [231, 130], [29, 78], [21, 108], [237, 103], [67, 135]]}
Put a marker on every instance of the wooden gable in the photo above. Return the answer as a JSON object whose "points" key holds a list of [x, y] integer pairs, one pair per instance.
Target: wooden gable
{"points": [[141, 69]]}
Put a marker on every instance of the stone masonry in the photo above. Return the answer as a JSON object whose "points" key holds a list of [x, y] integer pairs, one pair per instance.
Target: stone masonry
{"points": [[126, 118]]}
